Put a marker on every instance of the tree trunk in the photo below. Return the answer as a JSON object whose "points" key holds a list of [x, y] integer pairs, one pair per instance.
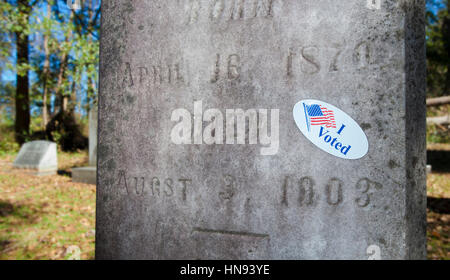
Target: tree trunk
{"points": [[46, 70], [22, 124], [63, 116], [59, 98], [90, 81], [446, 38], [437, 101]]}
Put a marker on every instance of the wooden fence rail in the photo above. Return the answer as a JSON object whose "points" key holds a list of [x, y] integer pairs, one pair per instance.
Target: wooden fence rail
{"points": [[438, 101]]}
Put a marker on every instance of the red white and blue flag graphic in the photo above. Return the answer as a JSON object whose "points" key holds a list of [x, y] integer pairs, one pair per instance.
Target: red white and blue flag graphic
{"points": [[319, 115]]}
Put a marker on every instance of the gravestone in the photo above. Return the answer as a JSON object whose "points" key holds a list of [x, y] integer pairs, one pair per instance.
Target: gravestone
{"points": [[85, 174], [93, 136], [181, 178], [88, 174], [39, 157]]}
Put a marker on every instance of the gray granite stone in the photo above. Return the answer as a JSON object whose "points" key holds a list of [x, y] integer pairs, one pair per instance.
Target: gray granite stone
{"points": [[86, 175], [93, 136], [39, 157], [161, 200]]}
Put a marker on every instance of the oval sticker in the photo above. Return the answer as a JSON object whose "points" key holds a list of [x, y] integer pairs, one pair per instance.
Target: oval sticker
{"points": [[330, 129]]}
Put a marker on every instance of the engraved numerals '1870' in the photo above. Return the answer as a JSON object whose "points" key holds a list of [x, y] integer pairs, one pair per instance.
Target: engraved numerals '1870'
{"points": [[311, 60]]}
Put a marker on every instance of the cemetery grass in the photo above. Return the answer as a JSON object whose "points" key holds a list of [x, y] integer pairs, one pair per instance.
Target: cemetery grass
{"points": [[40, 217], [438, 202]]}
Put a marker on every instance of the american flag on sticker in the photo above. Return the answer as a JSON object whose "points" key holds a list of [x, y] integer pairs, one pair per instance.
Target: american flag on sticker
{"points": [[319, 115]]}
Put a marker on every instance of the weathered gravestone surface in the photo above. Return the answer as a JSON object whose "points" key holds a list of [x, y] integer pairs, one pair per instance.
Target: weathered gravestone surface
{"points": [[88, 174], [39, 157], [165, 191]]}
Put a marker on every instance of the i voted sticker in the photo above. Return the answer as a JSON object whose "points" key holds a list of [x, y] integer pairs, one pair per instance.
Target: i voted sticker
{"points": [[330, 129]]}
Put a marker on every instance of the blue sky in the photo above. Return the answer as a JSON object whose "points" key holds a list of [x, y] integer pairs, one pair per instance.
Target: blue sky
{"points": [[10, 76]]}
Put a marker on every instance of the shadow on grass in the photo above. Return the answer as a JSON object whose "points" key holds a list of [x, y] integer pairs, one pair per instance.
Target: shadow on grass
{"points": [[67, 171], [438, 228], [26, 214], [64, 172], [8, 211], [18, 211], [439, 160], [438, 205], [6, 208], [3, 244], [14, 216]]}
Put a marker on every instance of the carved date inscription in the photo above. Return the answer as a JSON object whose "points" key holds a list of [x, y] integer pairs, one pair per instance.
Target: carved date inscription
{"points": [[155, 186], [309, 193], [313, 59], [226, 10], [232, 67], [155, 74]]}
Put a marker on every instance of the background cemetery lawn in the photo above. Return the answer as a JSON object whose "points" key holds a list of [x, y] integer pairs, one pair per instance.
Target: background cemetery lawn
{"points": [[438, 202], [40, 217]]}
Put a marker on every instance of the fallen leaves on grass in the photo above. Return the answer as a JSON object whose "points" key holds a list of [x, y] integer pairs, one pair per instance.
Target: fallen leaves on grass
{"points": [[40, 217], [438, 216]]}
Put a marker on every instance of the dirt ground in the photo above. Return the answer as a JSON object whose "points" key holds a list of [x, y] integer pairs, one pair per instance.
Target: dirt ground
{"points": [[53, 218]]}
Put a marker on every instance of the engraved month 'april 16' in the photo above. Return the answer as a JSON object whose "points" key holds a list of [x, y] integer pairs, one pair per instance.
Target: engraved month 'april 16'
{"points": [[304, 60]]}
